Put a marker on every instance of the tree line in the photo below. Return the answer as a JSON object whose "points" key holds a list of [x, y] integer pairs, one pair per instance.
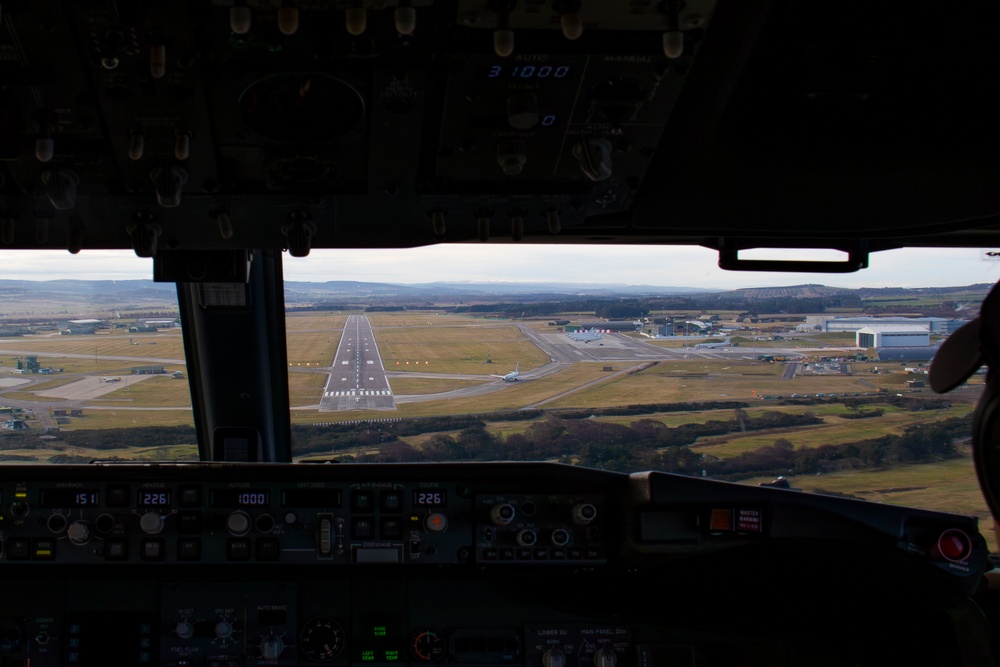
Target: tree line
{"points": [[571, 437]]}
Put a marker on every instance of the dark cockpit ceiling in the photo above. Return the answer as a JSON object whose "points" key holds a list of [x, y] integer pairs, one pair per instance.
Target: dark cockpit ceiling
{"points": [[153, 125]]}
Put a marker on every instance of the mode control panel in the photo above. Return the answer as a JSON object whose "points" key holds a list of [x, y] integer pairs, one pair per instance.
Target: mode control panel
{"points": [[287, 515], [168, 521]]}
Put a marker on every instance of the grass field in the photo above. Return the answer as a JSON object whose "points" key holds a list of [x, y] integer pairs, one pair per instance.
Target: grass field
{"points": [[305, 388], [449, 347], [162, 344], [408, 386], [701, 380], [312, 339], [427, 319], [330, 322], [158, 391], [123, 416]]}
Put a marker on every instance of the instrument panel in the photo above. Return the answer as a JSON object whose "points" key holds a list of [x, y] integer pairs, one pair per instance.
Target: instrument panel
{"points": [[543, 565]]}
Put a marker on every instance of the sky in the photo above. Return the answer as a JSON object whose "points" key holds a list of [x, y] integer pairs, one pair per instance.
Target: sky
{"points": [[663, 266]]}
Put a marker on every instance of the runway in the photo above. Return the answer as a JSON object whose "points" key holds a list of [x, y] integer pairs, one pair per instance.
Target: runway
{"points": [[356, 379]]}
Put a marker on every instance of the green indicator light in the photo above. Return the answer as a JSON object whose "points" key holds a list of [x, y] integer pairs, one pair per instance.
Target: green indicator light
{"points": [[391, 656], [368, 656], [379, 631]]}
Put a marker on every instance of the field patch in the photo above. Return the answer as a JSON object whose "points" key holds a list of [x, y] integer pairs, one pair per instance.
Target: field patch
{"points": [[461, 349], [416, 386], [305, 389]]}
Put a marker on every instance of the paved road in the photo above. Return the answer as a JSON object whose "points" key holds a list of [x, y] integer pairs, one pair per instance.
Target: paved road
{"points": [[357, 378]]}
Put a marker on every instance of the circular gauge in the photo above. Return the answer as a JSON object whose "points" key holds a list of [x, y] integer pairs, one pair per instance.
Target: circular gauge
{"points": [[305, 107], [322, 639], [427, 646]]}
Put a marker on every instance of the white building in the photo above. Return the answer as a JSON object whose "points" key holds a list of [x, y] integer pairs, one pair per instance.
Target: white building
{"points": [[935, 325], [900, 335]]}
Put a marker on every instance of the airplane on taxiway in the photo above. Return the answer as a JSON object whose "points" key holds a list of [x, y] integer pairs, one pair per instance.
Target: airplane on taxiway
{"points": [[709, 346], [509, 377]]}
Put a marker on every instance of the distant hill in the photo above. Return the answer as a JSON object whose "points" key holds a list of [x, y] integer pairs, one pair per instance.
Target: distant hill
{"points": [[978, 290], [355, 289], [73, 297], [810, 291], [87, 288], [792, 291]]}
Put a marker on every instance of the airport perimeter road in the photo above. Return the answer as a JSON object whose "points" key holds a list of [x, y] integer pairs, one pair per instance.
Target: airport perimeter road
{"points": [[357, 378]]}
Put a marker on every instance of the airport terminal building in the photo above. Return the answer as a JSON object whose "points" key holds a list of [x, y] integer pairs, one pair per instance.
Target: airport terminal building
{"points": [[612, 326]]}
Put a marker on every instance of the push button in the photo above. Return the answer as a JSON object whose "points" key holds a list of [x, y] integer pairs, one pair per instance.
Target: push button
{"points": [[362, 528], [152, 549], [267, 548], [189, 548], [363, 501], [44, 549], [238, 549], [392, 501], [392, 529], [18, 548], [116, 549]]}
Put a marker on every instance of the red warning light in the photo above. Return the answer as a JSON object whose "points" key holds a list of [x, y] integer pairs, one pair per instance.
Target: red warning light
{"points": [[953, 545]]}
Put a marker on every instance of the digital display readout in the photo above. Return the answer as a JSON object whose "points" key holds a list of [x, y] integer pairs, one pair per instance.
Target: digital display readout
{"points": [[318, 498], [240, 498], [69, 498], [430, 498], [532, 72], [153, 498]]}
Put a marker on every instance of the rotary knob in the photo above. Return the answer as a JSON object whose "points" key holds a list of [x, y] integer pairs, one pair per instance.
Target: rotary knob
{"points": [[527, 538], [522, 111], [271, 647], [553, 658], [223, 629], [238, 523], [512, 154], [502, 513], [151, 523], [584, 513], [605, 657], [184, 629], [78, 533]]}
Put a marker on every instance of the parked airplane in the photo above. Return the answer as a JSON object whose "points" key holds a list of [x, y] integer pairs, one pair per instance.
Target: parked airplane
{"points": [[710, 346], [509, 377]]}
